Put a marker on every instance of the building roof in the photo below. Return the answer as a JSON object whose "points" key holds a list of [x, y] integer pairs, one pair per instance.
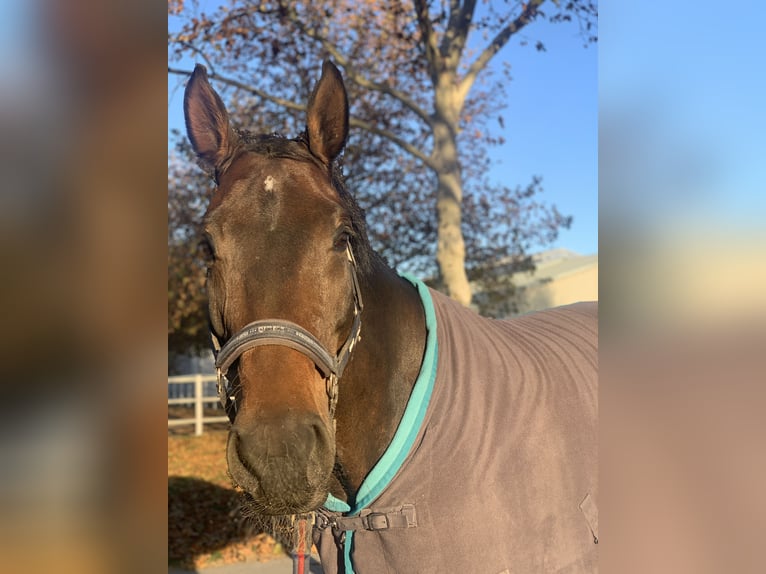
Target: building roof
{"points": [[554, 264]]}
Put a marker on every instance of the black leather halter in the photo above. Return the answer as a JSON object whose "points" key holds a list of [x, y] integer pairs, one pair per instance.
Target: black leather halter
{"points": [[288, 334]]}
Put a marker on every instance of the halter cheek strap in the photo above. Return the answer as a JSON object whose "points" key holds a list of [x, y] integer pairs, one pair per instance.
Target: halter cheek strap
{"points": [[288, 334]]}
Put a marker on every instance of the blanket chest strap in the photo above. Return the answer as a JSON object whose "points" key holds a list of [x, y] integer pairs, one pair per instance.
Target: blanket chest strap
{"points": [[381, 519]]}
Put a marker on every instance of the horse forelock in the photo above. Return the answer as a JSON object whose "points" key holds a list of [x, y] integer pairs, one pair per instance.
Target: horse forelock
{"points": [[278, 146]]}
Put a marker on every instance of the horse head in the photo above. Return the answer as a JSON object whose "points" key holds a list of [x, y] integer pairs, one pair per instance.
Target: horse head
{"points": [[284, 301]]}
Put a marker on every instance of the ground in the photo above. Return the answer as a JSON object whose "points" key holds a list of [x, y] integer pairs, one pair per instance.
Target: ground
{"points": [[205, 524]]}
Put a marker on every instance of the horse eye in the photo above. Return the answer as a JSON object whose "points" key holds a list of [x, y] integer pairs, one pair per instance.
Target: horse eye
{"points": [[342, 239], [206, 247]]}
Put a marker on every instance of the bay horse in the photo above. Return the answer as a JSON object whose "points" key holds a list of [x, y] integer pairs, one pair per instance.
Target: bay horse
{"points": [[419, 436]]}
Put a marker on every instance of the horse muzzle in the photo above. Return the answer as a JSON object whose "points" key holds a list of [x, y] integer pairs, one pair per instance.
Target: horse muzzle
{"points": [[283, 464]]}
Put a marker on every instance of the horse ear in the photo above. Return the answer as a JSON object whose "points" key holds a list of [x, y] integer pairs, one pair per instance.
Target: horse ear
{"points": [[327, 116], [207, 122]]}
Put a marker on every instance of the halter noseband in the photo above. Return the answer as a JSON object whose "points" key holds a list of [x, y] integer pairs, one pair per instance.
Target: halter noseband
{"points": [[288, 334]]}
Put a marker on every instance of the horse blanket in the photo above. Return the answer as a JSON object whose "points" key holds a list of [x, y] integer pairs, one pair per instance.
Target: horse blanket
{"points": [[493, 468]]}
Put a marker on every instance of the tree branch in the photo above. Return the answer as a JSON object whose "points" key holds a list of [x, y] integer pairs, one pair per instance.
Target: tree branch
{"points": [[455, 37], [351, 72], [405, 146], [247, 87], [191, 47], [501, 39], [429, 39], [361, 81]]}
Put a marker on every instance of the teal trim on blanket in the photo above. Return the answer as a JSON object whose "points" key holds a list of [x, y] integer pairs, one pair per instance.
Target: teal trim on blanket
{"points": [[349, 566], [388, 465], [335, 504], [414, 413]]}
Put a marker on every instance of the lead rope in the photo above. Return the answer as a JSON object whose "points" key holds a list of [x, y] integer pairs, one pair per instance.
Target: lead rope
{"points": [[332, 394], [303, 532], [303, 525]]}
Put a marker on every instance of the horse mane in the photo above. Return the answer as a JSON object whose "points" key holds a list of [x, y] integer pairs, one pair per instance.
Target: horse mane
{"points": [[278, 146]]}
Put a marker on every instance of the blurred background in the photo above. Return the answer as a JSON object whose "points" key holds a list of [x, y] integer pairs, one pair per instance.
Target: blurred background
{"points": [[83, 250], [683, 286]]}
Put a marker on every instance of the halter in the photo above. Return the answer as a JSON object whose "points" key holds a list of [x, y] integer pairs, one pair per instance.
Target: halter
{"points": [[288, 334]]}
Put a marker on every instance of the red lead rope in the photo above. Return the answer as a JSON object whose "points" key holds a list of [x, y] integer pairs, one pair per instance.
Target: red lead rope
{"points": [[301, 553]]}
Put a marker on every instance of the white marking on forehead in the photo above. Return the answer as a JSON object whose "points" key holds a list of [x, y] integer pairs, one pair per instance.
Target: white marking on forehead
{"points": [[268, 183]]}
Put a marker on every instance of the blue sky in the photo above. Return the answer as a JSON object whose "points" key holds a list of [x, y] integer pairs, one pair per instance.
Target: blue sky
{"points": [[690, 80], [550, 126]]}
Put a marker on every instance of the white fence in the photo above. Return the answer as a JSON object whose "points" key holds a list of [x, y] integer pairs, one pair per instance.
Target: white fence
{"points": [[190, 390]]}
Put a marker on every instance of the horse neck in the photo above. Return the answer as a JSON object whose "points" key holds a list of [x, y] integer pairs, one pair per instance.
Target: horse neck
{"points": [[376, 386]]}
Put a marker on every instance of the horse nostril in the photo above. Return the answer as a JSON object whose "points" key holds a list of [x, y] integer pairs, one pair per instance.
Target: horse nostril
{"points": [[301, 439]]}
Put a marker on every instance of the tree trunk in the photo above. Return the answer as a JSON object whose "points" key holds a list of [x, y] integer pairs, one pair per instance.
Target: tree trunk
{"points": [[450, 250]]}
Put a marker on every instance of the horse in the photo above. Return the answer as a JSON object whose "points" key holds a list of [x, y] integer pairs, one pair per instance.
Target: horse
{"points": [[417, 435]]}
